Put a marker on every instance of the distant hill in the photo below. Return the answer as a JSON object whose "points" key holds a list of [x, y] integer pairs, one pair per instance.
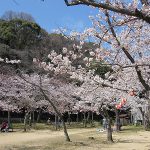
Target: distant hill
{"points": [[24, 40]]}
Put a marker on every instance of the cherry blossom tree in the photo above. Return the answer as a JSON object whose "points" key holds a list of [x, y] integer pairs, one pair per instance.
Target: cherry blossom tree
{"points": [[34, 91], [123, 42], [17, 95], [138, 9], [102, 99], [56, 94], [118, 29], [118, 80], [122, 45]]}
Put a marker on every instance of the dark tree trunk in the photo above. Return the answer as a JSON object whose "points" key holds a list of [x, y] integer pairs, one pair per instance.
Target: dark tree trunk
{"points": [[33, 117], [8, 118], [147, 113], [30, 119], [143, 119], [88, 117], [117, 121], [65, 131], [39, 116], [147, 121], [92, 116], [77, 120], [25, 121], [56, 122], [69, 118], [143, 116], [84, 120], [109, 131], [92, 120]]}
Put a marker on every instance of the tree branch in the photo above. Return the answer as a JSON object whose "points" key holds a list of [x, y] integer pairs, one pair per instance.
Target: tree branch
{"points": [[73, 2], [134, 13], [138, 71], [145, 2]]}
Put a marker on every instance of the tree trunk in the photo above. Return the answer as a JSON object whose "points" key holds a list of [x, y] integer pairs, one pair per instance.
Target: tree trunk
{"points": [[117, 121], [39, 115], [25, 121], [92, 116], [147, 121], [65, 130], [143, 119], [56, 122], [84, 120], [30, 120], [147, 113], [88, 117], [109, 131], [143, 116], [8, 118], [77, 120], [33, 118], [69, 119], [92, 120]]}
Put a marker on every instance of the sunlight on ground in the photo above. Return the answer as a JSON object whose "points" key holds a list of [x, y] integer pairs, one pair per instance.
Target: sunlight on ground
{"points": [[82, 139]]}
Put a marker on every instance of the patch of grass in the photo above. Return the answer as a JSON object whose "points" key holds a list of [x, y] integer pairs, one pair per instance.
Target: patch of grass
{"points": [[37, 126], [80, 125], [44, 126], [132, 128], [18, 125]]}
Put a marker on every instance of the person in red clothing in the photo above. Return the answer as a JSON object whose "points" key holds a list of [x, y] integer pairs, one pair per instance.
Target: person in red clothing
{"points": [[4, 126]]}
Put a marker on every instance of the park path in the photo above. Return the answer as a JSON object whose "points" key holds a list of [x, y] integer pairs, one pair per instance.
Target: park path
{"points": [[139, 140], [16, 138]]}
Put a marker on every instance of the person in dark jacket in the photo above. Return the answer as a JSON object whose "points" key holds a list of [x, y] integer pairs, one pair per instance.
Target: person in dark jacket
{"points": [[4, 126]]}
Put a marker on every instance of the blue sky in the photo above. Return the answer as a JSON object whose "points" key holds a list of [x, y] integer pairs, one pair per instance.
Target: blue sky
{"points": [[51, 14]]}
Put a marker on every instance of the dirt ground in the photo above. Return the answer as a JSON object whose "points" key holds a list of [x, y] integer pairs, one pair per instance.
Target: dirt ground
{"points": [[82, 139]]}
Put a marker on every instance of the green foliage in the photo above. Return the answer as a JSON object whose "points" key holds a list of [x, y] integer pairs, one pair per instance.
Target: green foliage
{"points": [[10, 15], [19, 34], [100, 68], [24, 40], [11, 54]]}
